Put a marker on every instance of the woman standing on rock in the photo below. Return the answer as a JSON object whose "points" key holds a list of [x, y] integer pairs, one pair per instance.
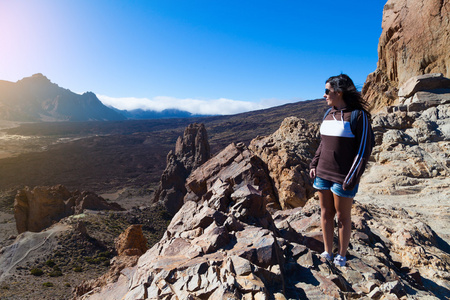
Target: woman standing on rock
{"points": [[340, 160]]}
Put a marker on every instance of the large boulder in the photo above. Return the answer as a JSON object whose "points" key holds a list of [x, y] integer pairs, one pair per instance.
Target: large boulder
{"points": [[191, 151], [38, 208], [131, 242], [414, 41], [233, 168], [287, 153]]}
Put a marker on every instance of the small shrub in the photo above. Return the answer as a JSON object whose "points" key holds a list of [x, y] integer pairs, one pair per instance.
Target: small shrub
{"points": [[55, 273], [78, 269], [50, 263], [36, 272], [107, 254], [67, 284], [47, 284]]}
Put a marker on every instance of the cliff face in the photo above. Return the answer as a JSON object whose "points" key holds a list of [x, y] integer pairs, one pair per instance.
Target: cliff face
{"points": [[415, 40]]}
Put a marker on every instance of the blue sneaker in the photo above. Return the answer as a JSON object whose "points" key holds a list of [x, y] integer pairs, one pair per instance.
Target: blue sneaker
{"points": [[327, 256], [339, 261]]}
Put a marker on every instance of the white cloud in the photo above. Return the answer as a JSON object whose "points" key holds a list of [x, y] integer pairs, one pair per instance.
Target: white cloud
{"points": [[220, 106]]}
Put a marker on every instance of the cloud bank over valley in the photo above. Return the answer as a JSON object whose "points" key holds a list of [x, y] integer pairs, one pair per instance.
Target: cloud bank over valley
{"points": [[221, 106]]}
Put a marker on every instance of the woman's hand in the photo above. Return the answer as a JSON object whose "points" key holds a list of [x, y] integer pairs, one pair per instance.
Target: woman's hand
{"points": [[312, 173]]}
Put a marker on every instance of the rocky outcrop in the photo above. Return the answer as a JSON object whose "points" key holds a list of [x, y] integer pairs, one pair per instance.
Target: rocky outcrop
{"points": [[38, 208], [191, 151], [287, 153], [209, 253], [413, 139], [233, 168], [414, 41], [131, 242], [411, 161], [130, 245], [224, 244]]}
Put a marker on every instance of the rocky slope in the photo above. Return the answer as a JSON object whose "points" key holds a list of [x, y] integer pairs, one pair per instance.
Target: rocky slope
{"points": [[229, 240], [415, 40]]}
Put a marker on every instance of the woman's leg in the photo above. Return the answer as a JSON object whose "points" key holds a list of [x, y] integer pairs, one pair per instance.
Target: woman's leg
{"points": [[343, 207], [327, 212]]}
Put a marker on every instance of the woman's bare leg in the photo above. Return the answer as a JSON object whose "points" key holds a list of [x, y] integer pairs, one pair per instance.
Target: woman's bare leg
{"points": [[343, 207], [327, 212]]}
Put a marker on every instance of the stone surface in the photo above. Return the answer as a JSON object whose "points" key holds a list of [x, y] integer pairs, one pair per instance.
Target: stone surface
{"points": [[191, 151], [287, 153], [233, 168], [425, 82], [414, 41]]}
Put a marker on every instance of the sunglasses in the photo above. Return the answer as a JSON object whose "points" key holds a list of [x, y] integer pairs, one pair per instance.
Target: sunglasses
{"points": [[327, 91]]}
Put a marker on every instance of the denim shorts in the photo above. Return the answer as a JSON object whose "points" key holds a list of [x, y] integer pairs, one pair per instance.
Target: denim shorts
{"points": [[336, 188]]}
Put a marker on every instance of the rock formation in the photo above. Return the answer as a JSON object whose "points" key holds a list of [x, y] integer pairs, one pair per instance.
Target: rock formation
{"points": [[415, 40], [38, 208], [191, 151], [233, 168], [223, 243], [131, 242], [412, 156], [210, 253], [130, 245], [287, 153]]}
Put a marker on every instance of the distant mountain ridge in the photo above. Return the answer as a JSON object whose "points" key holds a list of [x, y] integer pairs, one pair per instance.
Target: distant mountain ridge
{"points": [[140, 114], [36, 98]]}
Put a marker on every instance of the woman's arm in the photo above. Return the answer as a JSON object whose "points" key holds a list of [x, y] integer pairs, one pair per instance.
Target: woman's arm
{"points": [[364, 143]]}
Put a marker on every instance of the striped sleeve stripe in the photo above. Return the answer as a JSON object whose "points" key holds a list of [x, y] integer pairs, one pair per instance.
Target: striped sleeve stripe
{"points": [[362, 148]]}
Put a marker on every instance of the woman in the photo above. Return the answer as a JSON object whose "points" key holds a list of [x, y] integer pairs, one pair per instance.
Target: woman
{"points": [[340, 161]]}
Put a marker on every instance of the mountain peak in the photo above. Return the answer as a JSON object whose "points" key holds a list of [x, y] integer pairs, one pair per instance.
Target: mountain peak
{"points": [[37, 78], [36, 98]]}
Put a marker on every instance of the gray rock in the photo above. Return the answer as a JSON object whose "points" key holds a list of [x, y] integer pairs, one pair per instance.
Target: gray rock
{"points": [[423, 83]]}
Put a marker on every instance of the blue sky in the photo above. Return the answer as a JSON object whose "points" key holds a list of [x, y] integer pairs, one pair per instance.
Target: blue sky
{"points": [[202, 56]]}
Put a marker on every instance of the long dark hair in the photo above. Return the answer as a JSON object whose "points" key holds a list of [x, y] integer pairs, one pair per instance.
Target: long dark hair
{"points": [[352, 97]]}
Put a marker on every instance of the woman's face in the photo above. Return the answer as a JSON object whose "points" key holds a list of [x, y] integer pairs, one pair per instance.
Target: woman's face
{"points": [[333, 98]]}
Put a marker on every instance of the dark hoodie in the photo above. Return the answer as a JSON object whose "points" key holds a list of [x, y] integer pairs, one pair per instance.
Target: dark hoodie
{"points": [[342, 155]]}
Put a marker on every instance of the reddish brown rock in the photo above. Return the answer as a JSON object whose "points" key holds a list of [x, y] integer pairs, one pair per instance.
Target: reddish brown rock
{"points": [[287, 153], [38, 208], [131, 242], [414, 41]]}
